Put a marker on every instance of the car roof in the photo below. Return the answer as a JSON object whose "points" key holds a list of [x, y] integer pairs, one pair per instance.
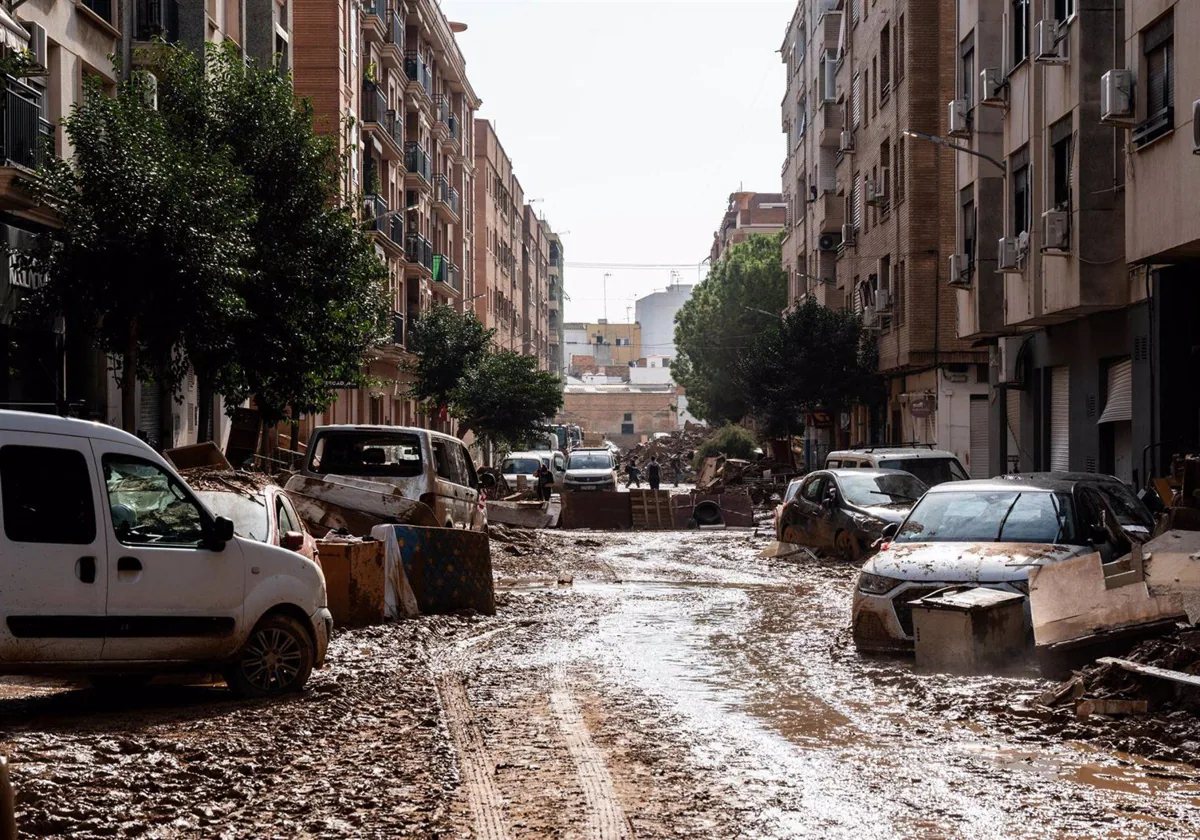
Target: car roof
{"points": [[27, 421], [528, 453], [359, 427], [877, 471], [603, 449], [906, 451], [1063, 482]]}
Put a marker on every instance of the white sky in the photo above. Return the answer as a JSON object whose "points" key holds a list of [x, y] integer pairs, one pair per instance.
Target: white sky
{"points": [[634, 121]]}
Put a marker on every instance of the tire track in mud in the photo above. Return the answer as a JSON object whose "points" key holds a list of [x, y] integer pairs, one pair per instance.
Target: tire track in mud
{"points": [[476, 763], [606, 819]]}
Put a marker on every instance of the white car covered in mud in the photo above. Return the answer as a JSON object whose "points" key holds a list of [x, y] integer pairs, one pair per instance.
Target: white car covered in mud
{"points": [[989, 533]]}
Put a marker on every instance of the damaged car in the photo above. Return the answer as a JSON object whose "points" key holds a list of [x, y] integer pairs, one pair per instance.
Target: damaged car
{"points": [[260, 510], [989, 533], [844, 512]]}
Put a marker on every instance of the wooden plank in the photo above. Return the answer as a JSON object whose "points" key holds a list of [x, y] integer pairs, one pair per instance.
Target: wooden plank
{"points": [[1152, 671], [1087, 708]]}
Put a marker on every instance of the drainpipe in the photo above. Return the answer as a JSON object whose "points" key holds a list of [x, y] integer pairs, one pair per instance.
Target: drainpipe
{"points": [[126, 39]]}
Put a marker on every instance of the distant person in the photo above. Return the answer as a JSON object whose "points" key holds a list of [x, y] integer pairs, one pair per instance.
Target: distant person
{"points": [[653, 473], [545, 482], [635, 477], [677, 466]]}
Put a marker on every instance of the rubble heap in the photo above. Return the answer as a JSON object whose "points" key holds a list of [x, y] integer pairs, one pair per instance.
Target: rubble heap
{"points": [[682, 443]]}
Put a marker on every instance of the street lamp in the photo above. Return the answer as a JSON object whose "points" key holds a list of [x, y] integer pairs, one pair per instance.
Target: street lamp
{"points": [[942, 141]]}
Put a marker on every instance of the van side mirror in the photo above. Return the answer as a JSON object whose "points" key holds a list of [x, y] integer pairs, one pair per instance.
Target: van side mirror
{"points": [[890, 530], [221, 532]]}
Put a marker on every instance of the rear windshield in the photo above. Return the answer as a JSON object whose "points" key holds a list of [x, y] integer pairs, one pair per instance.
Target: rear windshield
{"points": [[249, 513], [991, 516], [392, 454], [519, 466], [590, 461], [930, 470]]}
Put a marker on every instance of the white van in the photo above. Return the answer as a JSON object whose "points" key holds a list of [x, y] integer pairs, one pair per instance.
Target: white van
{"points": [[932, 466], [424, 466], [110, 566], [526, 464]]}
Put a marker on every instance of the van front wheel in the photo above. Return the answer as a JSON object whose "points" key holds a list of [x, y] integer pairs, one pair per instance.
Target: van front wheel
{"points": [[276, 659]]}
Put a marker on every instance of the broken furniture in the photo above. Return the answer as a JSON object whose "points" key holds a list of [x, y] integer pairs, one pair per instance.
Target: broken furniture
{"points": [[436, 570], [325, 505], [354, 581], [969, 630]]}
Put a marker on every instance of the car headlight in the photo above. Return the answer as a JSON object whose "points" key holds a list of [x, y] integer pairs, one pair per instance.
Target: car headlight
{"points": [[876, 584]]}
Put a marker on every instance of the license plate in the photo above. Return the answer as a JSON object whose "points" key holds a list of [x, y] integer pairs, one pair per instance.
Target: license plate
{"points": [[589, 488]]}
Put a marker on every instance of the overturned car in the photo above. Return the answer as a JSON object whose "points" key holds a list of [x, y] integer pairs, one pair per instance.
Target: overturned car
{"points": [[845, 511]]}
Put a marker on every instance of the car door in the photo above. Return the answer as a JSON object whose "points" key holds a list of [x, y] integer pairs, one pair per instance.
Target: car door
{"points": [[53, 552], [469, 484], [560, 470], [805, 508], [171, 596]]}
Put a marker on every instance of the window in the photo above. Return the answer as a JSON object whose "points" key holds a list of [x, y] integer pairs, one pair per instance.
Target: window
{"points": [[628, 417], [966, 81], [1020, 31], [898, 284], [900, 56], [856, 91], [396, 455], [47, 494], [874, 85], [966, 216], [900, 162], [801, 117], [1021, 198], [288, 520], [811, 489], [149, 505], [248, 513], [885, 61], [864, 93], [1063, 9], [1158, 47], [801, 45], [1060, 164], [102, 8]]}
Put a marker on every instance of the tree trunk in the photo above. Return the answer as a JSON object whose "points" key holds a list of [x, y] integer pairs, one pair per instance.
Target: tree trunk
{"points": [[129, 411]]}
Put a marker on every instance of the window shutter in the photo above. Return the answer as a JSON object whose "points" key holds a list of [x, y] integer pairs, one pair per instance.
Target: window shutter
{"points": [[857, 95]]}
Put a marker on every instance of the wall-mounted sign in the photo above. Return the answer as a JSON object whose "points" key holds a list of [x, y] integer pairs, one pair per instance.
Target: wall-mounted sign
{"points": [[922, 407]]}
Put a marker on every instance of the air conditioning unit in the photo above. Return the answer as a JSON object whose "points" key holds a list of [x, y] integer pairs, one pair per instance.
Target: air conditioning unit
{"points": [[1196, 127], [960, 271], [848, 232], [827, 242], [1048, 47], [1116, 97], [1008, 351], [960, 125], [847, 142], [40, 48], [1008, 256], [150, 94], [991, 83], [1056, 230]]}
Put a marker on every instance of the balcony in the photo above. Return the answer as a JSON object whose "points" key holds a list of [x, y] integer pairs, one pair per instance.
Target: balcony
{"points": [[831, 212], [28, 139], [374, 20], [418, 73], [445, 198], [418, 163], [829, 123], [156, 19], [391, 52], [376, 216], [398, 329], [419, 252], [378, 120], [445, 272]]}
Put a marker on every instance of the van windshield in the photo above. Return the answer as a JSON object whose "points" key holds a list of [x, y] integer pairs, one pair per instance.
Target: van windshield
{"points": [[590, 461], [392, 454], [930, 470], [519, 466]]}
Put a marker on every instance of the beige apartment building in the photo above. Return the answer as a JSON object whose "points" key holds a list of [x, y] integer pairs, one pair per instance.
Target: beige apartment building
{"points": [[748, 213], [871, 213], [535, 259], [390, 80], [554, 289]]}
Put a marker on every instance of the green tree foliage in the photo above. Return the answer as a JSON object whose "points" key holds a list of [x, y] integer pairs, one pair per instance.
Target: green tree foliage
{"points": [[816, 357], [730, 441], [445, 345], [504, 398], [719, 322]]}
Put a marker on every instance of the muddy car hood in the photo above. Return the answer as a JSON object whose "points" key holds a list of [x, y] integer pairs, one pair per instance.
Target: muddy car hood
{"points": [[967, 562], [883, 514]]}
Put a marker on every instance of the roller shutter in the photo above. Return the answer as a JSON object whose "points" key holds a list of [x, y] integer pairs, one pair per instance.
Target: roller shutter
{"points": [[1060, 415]]}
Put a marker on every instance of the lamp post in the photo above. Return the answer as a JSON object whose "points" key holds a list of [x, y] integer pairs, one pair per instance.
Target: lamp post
{"points": [[942, 141]]}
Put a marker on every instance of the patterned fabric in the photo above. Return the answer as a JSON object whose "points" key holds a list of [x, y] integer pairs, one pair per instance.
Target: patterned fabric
{"points": [[448, 569]]}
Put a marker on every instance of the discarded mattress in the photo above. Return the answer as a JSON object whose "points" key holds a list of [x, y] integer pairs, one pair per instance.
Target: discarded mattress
{"points": [[444, 569]]}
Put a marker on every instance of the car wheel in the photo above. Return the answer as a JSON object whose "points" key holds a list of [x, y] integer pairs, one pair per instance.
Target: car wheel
{"points": [[846, 545], [276, 659], [119, 683]]}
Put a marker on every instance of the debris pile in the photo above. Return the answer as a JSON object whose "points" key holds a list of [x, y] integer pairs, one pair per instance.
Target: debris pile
{"points": [[518, 542], [237, 481], [681, 444]]}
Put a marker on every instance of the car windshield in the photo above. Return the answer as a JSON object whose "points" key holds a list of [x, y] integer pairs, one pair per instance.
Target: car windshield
{"points": [[1128, 508], [519, 466], [991, 516], [249, 513], [930, 470], [888, 489], [394, 454], [590, 461]]}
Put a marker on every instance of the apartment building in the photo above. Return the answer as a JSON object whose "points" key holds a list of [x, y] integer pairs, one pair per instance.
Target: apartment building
{"points": [[600, 344], [871, 213], [748, 213], [389, 79], [1041, 269], [499, 240], [554, 289], [535, 273], [45, 367]]}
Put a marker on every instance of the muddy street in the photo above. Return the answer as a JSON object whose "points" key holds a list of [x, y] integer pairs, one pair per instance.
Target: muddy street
{"points": [[630, 685]]}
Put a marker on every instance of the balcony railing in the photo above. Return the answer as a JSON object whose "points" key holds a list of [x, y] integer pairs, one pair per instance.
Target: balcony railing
{"points": [[103, 8], [396, 233], [27, 137], [376, 7], [445, 193], [446, 272], [398, 328], [417, 160], [419, 250], [395, 34], [375, 214], [156, 19], [374, 104], [453, 278], [417, 71]]}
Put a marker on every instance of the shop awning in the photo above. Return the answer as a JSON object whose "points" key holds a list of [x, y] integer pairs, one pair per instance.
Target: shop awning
{"points": [[1119, 406]]}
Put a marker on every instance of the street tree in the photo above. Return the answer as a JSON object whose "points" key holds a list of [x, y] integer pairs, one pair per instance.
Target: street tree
{"points": [[445, 345], [814, 358], [726, 311], [153, 246], [504, 399]]}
